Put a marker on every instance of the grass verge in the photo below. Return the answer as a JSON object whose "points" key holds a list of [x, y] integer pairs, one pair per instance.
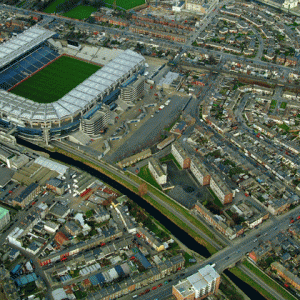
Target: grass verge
{"points": [[80, 12], [126, 4], [146, 175], [169, 157], [52, 6], [268, 281], [241, 275]]}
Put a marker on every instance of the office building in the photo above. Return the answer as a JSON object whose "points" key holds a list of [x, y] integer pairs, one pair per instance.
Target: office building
{"points": [[97, 123], [134, 90]]}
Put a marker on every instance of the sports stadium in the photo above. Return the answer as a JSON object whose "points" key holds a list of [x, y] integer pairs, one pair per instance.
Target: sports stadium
{"points": [[31, 66]]}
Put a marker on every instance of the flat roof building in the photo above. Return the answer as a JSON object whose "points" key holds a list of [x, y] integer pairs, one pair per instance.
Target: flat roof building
{"points": [[180, 155], [199, 285], [134, 90], [157, 171], [95, 124], [220, 188], [200, 172]]}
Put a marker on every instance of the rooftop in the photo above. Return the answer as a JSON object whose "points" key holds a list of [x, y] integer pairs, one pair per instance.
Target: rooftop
{"points": [[23, 42], [3, 212]]}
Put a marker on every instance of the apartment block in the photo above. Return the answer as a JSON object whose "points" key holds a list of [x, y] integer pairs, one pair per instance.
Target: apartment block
{"points": [[200, 172], [157, 171], [222, 191], [198, 286], [180, 156]]}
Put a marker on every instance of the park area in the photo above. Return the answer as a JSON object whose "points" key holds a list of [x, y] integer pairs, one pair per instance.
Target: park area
{"points": [[80, 12], [54, 81], [84, 11]]}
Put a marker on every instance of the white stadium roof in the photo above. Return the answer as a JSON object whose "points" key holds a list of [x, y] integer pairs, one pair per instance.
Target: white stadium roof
{"points": [[74, 101], [23, 42]]}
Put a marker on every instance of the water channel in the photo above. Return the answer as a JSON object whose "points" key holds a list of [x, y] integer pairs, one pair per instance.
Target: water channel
{"points": [[174, 229]]}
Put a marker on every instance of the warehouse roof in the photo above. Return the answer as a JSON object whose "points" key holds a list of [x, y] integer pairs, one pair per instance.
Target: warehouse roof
{"points": [[51, 165], [6, 176]]}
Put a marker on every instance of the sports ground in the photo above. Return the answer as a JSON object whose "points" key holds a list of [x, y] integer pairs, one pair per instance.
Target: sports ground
{"points": [[54, 81], [82, 11]]}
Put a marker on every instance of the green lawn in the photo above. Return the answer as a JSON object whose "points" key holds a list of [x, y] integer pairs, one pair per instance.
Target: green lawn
{"points": [[52, 6], [273, 103], [283, 105], [80, 12], [74, 13], [284, 127], [126, 4], [169, 157], [240, 274], [56, 80], [268, 281], [146, 175]]}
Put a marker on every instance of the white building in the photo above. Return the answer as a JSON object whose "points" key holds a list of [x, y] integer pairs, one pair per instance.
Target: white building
{"points": [[157, 171], [290, 4], [200, 172], [180, 155], [133, 91], [199, 285], [51, 226], [94, 123], [222, 191], [200, 6]]}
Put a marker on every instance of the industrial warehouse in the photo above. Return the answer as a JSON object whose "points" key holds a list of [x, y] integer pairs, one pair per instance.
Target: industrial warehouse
{"points": [[28, 53]]}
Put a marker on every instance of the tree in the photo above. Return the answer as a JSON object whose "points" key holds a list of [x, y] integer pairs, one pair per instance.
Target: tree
{"points": [[143, 189], [211, 60]]}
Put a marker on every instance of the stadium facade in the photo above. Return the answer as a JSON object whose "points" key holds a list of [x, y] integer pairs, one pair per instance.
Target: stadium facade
{"points": [[41, 121]]}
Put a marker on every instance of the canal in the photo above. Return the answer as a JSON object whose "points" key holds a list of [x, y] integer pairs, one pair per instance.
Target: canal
{"points": [[174, 229]]}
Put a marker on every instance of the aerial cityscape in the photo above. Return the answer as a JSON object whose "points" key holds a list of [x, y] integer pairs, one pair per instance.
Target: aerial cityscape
{"points": [[149, 149]]}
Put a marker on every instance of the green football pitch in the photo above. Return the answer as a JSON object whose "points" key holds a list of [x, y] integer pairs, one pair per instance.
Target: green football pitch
{"points": [[55, 80]]}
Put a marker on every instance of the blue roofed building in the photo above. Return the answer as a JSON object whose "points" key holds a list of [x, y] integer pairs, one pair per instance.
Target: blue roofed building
{"points": [[143, 260], [23, 280]]}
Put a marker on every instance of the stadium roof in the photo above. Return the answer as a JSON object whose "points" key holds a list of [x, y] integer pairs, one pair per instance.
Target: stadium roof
{"points": [[77, 99], [23, 42]]}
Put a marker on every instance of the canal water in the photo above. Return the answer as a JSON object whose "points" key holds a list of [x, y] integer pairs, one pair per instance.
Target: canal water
{"points": [[174, 229]]}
